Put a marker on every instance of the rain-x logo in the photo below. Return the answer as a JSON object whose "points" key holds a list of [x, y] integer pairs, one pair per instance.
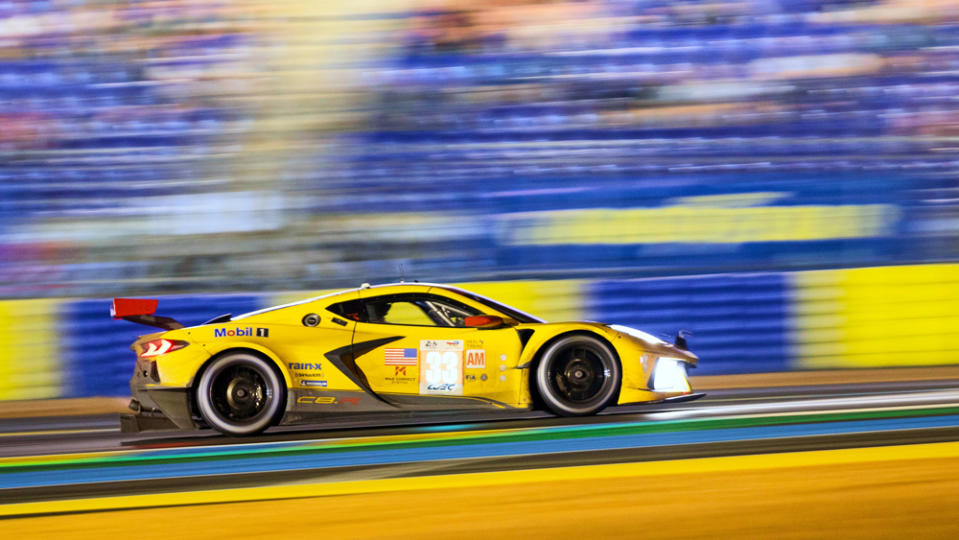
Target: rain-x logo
{"points": [[241, 332], [306, 365]]}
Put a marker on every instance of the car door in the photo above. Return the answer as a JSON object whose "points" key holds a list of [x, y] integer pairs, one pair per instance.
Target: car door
{"points": [[418, 352]]}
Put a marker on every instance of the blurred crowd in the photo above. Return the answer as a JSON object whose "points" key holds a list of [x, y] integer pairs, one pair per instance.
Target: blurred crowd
{"points": [[179, 145]]}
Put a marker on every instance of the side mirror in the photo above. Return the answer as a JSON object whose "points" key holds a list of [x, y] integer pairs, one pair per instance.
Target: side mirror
{"points": [[484, 322]]}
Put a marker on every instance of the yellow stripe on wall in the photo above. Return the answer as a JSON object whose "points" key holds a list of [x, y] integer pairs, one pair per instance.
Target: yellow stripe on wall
{"points": [[29, 349], [697, 223], [872, 317]]}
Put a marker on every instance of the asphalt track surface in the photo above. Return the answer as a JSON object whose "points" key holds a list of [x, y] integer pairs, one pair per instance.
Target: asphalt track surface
{"points": [[86, 458]]}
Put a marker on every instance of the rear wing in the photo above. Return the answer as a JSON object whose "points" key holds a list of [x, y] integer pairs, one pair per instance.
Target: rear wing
{"points": [[141, 311]]}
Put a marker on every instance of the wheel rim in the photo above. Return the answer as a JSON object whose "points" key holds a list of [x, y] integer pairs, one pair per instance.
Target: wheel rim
{"points": [[578, 375], [240, 394]]}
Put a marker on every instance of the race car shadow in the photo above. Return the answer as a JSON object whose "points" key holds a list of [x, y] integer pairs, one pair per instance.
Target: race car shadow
{"points": [[375, 424]]}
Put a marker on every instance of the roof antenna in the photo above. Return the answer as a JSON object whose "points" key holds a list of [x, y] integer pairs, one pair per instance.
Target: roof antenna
{"points": [[402, 273]]}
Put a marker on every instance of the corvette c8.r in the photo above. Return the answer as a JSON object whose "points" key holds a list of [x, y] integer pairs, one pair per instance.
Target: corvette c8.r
{"points": [[408, 346]]}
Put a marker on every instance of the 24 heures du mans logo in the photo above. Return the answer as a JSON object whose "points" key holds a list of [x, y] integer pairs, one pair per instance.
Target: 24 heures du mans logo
{"points": [[241, 332]]}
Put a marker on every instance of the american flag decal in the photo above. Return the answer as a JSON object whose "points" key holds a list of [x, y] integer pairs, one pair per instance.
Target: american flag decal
{"points": [[399, 357]]}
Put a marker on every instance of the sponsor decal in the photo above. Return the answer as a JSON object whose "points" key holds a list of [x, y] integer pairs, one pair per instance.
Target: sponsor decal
{"points": [[307, 366], [474, 343], [241, 332], [441, 345], [469, 377], [483, 377], [401, 375], [327, 400], [399, 357], [313, 383], [444, 387], [476, 359]]}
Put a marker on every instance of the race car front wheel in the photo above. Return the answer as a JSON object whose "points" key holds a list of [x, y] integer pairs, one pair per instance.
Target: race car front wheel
{"points": [[577, 375], [240, 394]]}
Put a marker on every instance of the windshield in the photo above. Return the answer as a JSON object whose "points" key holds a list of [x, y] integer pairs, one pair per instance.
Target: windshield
{"points": [[511, 312]]}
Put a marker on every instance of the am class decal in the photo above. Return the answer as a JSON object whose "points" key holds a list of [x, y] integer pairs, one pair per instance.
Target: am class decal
{"points": [[475, 359]]}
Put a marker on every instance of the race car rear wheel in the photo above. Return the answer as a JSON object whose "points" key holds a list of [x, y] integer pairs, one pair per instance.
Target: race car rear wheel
{"points": [[577, 375], [240, 394]]}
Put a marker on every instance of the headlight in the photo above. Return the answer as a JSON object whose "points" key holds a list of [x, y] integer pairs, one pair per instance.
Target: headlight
{"points": [[670, 376]]}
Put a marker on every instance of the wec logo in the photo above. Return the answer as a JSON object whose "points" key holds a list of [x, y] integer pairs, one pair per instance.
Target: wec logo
{"points": [[241, 332]]}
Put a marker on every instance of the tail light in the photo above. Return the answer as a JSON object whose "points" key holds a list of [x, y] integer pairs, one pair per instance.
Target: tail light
{"points": [[157, 347]]}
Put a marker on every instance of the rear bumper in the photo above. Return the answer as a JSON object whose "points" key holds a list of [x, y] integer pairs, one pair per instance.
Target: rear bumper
{"points": [[137, 422], [158, 408]]}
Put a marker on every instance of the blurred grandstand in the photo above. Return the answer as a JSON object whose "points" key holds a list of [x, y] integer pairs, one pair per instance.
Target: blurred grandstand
{"points": [[187, 146]]}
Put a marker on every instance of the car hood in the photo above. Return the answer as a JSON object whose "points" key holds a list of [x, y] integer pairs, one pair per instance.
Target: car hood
{"points": [[654, 344]]}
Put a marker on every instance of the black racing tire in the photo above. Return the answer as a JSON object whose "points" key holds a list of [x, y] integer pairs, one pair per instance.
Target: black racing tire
{"points": [[240, 394], [577, 375]]}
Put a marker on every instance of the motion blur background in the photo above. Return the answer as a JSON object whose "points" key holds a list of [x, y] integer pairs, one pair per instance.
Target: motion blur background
{"points": [[778, 177]]}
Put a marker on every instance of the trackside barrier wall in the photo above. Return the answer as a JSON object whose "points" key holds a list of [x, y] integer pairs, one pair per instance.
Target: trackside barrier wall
{"points": [[739, 322], [849, 318]]}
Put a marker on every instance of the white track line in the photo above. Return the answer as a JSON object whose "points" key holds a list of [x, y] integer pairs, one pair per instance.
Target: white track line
{"points": [[915, 400]]}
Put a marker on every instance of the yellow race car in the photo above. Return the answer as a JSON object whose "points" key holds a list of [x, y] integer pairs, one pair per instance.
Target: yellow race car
{"points": [[408, 346]]}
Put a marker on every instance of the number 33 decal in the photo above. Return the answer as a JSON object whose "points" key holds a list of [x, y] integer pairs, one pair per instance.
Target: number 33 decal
{"points": [[443, 368]]}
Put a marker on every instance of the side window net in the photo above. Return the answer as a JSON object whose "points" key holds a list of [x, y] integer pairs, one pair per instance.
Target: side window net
{"points": [[352, 310]]}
